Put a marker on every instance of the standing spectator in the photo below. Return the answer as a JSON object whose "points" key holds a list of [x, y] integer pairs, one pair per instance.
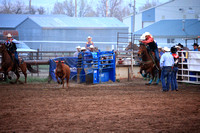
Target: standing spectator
{"points": [[174, 85], [166, 64], [91, 49], [89, 42], [78, 48], [195, 46], [160, 51]]}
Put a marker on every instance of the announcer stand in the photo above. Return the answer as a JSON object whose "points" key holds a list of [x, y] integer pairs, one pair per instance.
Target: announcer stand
{"points": [[96, 67]]}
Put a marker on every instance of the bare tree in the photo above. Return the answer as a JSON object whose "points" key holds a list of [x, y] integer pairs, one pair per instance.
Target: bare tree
{"points": [[41, 10], [69, 8], [101, 8], [19, 7], [58, 8], [115, 9], [6, 7], [84, 9], [149, 4]]}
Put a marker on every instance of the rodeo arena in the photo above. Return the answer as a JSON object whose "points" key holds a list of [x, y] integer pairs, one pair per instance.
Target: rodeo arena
{"points": [[98, 74]]}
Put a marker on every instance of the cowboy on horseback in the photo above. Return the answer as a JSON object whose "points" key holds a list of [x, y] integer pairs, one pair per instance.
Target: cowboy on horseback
{"points": [[151, 45], [12, 50]]}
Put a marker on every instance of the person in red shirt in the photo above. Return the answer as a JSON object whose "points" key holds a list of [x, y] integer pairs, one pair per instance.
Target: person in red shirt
{"points": [[152, 46]]}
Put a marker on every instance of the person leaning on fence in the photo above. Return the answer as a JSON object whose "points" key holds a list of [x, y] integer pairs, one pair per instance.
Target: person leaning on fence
{"points": [[91, 48], [166, 64], [195, 46], [152, 46], [89, 43], [174, 85], [78, 50], [12, 50]]}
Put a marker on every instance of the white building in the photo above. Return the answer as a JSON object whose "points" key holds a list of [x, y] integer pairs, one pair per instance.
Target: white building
{"points": [[174, 9]]}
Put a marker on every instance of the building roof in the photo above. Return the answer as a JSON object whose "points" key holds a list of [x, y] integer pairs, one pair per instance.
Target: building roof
{"points": [[60, 21], [76, 22], [173, 28], [11, 20]]}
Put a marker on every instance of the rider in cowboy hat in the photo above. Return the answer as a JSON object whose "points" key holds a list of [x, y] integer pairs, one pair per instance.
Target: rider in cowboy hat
{"points": [[152, 46], [12, 49]]}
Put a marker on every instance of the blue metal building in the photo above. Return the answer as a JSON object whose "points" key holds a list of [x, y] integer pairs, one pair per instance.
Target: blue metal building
{"points": [[60, 32], [171, 32]]}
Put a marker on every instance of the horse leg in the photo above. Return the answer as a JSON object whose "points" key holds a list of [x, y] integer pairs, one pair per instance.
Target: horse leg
{"points": [[152, 75], [8, 70], [18, 75], [67, 81], [24, 69], [63, 81]]}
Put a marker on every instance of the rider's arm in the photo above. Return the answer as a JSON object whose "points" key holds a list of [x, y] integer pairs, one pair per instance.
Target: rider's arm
{"points": [[148, 40]]}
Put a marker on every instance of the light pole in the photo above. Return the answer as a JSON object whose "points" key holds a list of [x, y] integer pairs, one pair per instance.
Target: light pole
{"points": [[133, 25], [75, 8]]}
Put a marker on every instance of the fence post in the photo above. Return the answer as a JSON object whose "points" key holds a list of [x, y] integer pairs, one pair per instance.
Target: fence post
{"points": [[37, 64]]}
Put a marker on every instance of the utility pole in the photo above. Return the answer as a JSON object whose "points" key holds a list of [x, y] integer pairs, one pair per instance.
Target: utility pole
{"points": [[75, 8], [106, 8], [134, 17], [30, 6]]}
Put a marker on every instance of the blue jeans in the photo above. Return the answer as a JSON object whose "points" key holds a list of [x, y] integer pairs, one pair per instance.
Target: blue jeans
{"points": [[174, 85], [166, 73], [157, 55]]}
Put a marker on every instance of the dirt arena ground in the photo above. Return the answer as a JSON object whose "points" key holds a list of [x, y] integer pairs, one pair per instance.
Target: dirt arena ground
{"points": [[111, 107]]}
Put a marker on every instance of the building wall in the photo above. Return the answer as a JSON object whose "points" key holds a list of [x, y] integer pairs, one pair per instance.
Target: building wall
{"points": [[51, 39], [170, 10], [178, 9]]}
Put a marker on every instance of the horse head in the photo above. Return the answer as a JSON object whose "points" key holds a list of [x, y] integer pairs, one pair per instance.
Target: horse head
{"points": [[142, 50], [2, 48], [131, 46]]}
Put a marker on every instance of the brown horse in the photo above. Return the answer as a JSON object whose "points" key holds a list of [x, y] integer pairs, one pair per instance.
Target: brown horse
{"points": [[148, 64], [8, 65], [62, 72]]}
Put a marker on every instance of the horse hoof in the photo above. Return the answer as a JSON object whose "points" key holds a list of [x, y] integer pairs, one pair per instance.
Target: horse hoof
{"points": [[12, 82], [155, 84], [147, 84]]}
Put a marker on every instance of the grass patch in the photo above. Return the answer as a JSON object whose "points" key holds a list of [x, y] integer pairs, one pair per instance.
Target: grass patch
{"points": [[29, 80]]}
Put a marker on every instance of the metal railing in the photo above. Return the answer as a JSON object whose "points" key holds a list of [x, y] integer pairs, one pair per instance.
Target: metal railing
{"points": [[189, 65]]}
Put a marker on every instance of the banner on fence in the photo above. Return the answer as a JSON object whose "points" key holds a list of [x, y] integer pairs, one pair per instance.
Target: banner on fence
{"points": [[70, 61], [194, 61]]}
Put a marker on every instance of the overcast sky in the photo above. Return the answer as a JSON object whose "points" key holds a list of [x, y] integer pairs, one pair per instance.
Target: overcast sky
{"points": [[49, 4]]}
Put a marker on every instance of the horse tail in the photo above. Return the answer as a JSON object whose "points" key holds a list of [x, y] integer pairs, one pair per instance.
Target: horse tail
{"points": [[29, 67]]}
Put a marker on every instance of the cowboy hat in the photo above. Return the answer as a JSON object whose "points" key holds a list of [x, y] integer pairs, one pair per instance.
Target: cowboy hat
{"points": [[142, 37], [78, 47], [147, 34], [195, 44], [89, 37], [83, 48], [160, 47], [178, 47], [91, 46], [9, 35], [166, 49]]}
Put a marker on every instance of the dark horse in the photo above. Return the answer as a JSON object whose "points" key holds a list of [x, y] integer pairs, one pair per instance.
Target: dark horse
{"points": [[148, 63], [8, 65]]}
